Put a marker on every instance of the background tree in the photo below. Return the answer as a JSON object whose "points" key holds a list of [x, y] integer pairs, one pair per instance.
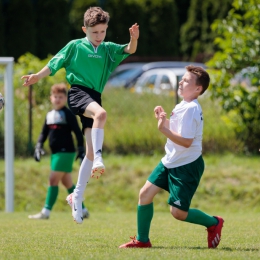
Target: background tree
{"points": [[161, 28], [53, 26], [238, 91], [19, 28], [196, 35], [77, 10]]}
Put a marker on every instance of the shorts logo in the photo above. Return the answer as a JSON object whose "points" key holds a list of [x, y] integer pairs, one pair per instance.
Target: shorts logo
{"points": [[95, 56], [177, 202]]}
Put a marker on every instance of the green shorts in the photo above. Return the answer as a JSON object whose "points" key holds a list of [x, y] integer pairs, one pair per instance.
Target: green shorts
{"points": [[62, 162], [181, 182]]}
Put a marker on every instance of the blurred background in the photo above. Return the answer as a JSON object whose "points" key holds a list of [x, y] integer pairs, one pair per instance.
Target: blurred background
{"points": [[222, 36]]}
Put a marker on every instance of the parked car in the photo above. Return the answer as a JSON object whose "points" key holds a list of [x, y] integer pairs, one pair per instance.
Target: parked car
{"points": [[127, 74], [160, 81]]}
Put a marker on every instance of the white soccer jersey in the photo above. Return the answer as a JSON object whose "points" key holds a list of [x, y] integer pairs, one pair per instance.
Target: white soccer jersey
{"points": [[187, 120]]}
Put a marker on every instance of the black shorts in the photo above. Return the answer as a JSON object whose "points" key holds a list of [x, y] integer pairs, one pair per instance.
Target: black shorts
{"points": [[79, 98]]}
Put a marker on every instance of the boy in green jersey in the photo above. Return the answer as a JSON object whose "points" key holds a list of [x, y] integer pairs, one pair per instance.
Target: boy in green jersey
{"points": [[88, 63], [180, 170]]}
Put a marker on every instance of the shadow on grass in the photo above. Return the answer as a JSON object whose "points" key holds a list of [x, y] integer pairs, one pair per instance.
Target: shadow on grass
{"points": [[205, 248]]}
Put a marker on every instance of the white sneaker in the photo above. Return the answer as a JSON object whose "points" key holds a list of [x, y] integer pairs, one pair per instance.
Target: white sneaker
{"points": [[38, 216], [76, 207], [97, 170], [85, 211]]}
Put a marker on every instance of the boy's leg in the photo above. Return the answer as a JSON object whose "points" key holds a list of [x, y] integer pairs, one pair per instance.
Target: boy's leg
{"points": [[144, 216], [183, 182], [198, 217], [67, 182], [70, 190], [95, 111], [51, 196], [84, 174], [214, 225]]}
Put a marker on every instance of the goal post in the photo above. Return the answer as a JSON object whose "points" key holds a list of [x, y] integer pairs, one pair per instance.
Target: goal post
{"points": [[8, 132]]}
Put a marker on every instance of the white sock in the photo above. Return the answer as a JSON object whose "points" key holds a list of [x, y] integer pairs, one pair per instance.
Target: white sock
{"points": [[97, 135], [46, 212], [83, 177]]}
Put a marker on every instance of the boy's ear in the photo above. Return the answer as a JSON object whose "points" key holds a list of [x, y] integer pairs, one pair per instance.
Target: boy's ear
{"points": [[84, 29], [199, 89]]}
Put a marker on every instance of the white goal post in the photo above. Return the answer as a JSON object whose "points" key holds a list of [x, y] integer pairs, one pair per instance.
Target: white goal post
{"points": [[9, 132]]}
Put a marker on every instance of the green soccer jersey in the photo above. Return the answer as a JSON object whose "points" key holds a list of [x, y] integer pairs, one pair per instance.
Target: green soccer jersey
{"points": [[87, 65]]}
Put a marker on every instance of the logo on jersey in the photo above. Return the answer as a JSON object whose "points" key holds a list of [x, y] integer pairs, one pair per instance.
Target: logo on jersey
{"points": [[94, 56], [172, 114]]}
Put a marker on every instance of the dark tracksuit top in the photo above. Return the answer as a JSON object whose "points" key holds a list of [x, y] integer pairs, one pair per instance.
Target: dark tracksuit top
{"points": [[59, 125]]}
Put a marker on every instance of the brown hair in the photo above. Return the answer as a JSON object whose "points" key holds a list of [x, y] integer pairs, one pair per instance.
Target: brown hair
{"points": [[59, 88], [94, 16], [203, 78]]}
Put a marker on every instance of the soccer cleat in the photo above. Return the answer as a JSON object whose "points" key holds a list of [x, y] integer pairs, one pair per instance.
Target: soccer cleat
{"points": [[97, 170], [135, 244], [84, 211], [38, 216], [76, 207], [214, 233]]}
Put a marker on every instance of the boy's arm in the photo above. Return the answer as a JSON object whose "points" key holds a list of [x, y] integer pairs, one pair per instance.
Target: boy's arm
{"points": [[163, 126], [175, 137], [34, 78], [134, 35]]}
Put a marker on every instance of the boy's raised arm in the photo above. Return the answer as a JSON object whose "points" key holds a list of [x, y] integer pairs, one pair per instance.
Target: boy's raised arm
{"points": [[134, 35], [33, 78]]}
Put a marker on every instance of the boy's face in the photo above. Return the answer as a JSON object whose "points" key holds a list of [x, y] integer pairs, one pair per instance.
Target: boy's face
{"points": [[96, 34], [188, 88], [58, 100]]}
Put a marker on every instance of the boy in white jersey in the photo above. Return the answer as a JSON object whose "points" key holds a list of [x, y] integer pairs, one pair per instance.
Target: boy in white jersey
{"points": [[180, 170], [88, 63]]}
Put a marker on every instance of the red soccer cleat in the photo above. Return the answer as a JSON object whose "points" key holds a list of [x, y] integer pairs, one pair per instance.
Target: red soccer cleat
{"points": [[135, 243], [214, 233]]}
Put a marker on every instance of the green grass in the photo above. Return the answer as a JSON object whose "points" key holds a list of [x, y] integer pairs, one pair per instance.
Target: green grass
{"points": [[229, 187], [100, 235], [228, 180]]}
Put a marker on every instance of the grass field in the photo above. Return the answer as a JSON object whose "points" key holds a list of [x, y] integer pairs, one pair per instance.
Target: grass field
{"points": [[229, 188], [100, 235]]}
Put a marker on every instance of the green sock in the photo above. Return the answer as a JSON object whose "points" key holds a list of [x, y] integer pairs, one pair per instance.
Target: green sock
{"points": [[144, 218], [198, 217], [70, 190], [51, 197]]}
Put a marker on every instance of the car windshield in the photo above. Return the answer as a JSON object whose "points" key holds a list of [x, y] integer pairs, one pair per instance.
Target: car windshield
{"points": [[128, 73]]}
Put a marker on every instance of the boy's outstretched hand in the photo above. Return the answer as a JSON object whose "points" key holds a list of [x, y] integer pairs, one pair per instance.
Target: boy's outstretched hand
{"points": [[134, 31], [30, 79]]}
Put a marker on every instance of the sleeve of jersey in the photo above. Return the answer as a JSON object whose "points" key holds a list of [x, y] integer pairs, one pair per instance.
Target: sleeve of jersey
{"points": [[117, 53], [188, 124], [75, 127], [44, 133], [61, 58]]}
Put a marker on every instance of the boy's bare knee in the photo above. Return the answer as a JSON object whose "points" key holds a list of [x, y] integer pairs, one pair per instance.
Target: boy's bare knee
{"points": [[178, 214], [144, 197], [101, 115]]}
